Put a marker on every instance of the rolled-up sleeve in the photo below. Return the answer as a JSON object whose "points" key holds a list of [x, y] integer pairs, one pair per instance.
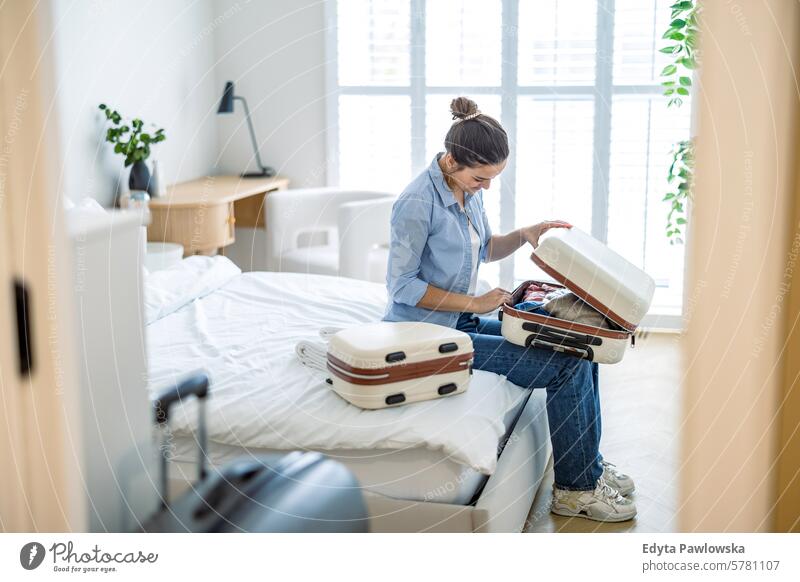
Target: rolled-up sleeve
{"points": [[410, 228], [487, 233]]}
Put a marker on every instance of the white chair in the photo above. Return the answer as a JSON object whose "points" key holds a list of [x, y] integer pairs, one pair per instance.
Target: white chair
{"points": [[329, 231]]}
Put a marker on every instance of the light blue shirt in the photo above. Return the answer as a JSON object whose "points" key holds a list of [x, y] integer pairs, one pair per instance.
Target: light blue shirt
{"points": [[430, 245]]}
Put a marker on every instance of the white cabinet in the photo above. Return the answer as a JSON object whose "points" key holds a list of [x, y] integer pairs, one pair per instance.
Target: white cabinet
{"points": [[120, 460]]}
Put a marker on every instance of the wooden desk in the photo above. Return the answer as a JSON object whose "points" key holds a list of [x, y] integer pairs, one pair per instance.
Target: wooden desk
{"points": [[201, 214]]}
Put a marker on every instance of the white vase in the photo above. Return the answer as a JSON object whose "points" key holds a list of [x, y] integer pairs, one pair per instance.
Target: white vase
{"points": [[157, 186]]}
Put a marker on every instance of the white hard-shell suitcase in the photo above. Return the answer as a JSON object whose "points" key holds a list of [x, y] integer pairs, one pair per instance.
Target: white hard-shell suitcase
{"points": [[391, 363], [597, 275]]}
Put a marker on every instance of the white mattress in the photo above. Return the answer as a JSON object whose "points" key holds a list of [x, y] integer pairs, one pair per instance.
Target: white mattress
{"points": [[243, 334]]}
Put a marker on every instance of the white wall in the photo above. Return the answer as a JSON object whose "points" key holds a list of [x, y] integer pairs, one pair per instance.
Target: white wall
{"points": [[275, 53], [152, 60]]}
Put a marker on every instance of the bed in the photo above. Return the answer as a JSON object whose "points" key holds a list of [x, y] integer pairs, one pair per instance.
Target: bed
{"points": [[429, 466]]}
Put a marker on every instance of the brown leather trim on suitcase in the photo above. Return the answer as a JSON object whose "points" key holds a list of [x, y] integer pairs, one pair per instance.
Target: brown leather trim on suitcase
{"points": [[390, 374], [591, 300], [564, 324]]}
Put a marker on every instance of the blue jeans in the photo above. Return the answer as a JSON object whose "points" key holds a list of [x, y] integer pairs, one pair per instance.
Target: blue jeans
{"points": [[573, 397]]}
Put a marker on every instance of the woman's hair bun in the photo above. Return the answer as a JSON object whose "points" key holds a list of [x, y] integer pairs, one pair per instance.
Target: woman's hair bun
{"points": [[475, 143], [460, 107]]}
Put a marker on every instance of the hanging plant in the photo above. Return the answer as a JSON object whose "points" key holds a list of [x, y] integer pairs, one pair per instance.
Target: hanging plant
{"points": [[683, 34], [680, 176]]}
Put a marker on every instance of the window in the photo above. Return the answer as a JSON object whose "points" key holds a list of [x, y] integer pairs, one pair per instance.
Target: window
{"points": [[574, 82]]}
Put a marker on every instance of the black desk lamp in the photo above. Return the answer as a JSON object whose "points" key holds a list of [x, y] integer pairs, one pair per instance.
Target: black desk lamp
{"points": [[226, 106]]}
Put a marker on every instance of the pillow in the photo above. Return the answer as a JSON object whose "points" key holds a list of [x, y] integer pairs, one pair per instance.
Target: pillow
{"points": [[167, 290]]}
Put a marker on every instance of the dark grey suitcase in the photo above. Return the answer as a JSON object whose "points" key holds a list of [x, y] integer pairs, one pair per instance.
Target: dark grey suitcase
{"points": [[297, 492]]}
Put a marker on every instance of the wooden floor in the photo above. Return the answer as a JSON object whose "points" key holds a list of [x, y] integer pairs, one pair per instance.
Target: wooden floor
{"points": [[640, 404]]}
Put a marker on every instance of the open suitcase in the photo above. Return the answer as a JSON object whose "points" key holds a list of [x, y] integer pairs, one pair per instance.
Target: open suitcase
{"points": [[390, 363], [297, 492], [610, 284]]}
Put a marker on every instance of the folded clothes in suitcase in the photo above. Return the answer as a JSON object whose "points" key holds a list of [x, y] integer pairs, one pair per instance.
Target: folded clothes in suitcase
{"points": [[391, 363], [297, 492], [598, 276]]}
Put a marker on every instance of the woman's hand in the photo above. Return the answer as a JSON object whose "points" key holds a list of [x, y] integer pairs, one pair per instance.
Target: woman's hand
{"points": [[532, 233], [490, 301]]}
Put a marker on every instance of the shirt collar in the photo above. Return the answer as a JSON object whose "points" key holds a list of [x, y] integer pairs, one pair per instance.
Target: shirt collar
{"points": [[445, 194]]}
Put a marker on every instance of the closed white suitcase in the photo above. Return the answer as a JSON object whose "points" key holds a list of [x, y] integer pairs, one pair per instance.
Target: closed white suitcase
{"points": [[391, 363], [601, 278]]}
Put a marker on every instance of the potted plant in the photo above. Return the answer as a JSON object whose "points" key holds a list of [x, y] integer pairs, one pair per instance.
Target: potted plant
{"points": [[131, 140]]}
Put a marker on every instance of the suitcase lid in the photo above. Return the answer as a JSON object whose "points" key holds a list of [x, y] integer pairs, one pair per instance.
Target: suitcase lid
{"points": [[367, 346], [605, 280]]}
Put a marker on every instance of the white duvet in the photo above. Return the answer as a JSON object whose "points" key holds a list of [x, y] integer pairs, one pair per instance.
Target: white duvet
{"points": [[242, 329]]}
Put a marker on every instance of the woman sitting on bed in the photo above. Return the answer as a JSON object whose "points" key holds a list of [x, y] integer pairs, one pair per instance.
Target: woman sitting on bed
{"points": [[440, 235]]}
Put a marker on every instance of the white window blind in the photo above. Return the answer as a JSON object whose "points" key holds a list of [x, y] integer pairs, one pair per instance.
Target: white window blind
{"points": [[574, 82]]}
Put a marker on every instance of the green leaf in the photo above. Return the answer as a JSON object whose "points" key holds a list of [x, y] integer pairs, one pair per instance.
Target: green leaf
{"points": [[669, 70], [677, 23], [686, 81], [681, 221], [668, 196], [682, 91], [118, 148], [675, 36], [668, 83], [688, 62], [102, 106]]}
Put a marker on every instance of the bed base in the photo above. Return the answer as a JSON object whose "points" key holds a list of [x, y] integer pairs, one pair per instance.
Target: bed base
{"points": [[503, 505]]}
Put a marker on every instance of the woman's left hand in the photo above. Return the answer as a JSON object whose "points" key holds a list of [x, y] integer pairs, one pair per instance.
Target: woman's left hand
{"points": [[532, 233]]}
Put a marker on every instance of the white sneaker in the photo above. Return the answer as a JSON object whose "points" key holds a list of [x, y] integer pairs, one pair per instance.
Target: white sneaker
{"points": [[602, 504], [619, 481]]}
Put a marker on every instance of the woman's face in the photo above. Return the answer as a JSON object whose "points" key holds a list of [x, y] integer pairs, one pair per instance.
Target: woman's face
{"points": [[470, 180]]}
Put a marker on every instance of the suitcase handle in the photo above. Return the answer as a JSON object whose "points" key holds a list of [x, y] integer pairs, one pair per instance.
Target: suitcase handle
{"points": [[581, 353], [196, 385]]}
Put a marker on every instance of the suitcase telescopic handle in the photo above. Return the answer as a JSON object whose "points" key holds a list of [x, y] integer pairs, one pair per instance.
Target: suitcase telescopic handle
{"points": [[195, 385]]}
